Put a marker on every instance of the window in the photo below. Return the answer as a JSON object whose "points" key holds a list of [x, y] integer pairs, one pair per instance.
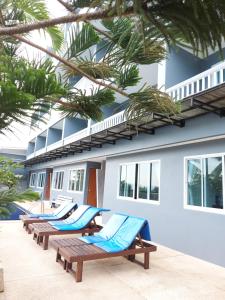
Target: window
{"points": [[140, 180], [127, 180], [76, 180], [33, 177], [58, 180], [148, 181], [204, 182], [41, 180]]}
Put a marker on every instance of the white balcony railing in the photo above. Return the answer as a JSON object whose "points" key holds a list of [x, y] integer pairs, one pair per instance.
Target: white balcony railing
{"points": [[201, 82], [40, 151], [32, 155], [108, 122], [76, 136], [54, 146], [100, 126]]}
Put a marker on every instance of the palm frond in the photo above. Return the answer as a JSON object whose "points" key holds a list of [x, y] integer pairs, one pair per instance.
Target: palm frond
{"points": [[149, 100], [26, 89], [128, 44], [128, 76], [98, 70], [35, 10], [81, 40], [87, 106], [10, 195]]}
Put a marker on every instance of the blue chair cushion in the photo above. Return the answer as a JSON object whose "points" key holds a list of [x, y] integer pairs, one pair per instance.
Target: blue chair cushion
{"points": [[73, 217], [108, 230], [83, 221], [125, 236]]}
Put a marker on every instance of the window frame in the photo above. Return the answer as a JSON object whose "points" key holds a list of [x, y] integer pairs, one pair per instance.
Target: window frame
{"points": [[53, 179], [75, 191], [35, 181], [185, 199], [39, 174], [136, 179]]}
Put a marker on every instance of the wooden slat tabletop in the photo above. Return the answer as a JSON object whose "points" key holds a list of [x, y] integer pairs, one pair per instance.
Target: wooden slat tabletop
{"points": [[84, 250], [66, 242]]}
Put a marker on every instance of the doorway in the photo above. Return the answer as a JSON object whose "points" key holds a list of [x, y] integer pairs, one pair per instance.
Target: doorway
{"points": [[92, 192], [48, 181]]}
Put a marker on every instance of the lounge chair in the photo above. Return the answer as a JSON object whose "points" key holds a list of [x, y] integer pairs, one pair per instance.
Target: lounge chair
{"points": [[60, 213], [105, 234], [128, 241], [84, 223]]}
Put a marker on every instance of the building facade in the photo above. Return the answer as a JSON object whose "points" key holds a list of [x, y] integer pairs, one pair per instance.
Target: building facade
{"points": [[168, 171]]}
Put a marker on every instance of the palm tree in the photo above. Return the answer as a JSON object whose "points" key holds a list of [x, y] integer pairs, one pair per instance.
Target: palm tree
{"points": [[114, 73], [199, 23], [8, 183], [136, 37]]}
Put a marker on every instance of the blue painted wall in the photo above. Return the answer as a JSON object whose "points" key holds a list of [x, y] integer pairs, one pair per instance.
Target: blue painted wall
{"points": [[73, 125], [40, 142], [31, 147], [212, 59], [182, 65], [54, 135], [189, 231]]}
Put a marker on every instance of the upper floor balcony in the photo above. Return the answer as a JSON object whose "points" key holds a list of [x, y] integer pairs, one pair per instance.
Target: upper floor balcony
{"points": [[71, 134], [199, 83]]}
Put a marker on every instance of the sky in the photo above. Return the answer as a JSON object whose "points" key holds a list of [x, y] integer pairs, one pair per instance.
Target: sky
{"points": [[20, 136]]}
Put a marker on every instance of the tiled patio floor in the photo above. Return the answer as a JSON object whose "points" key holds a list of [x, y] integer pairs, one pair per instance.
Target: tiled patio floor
{"points": [[32, 274]]}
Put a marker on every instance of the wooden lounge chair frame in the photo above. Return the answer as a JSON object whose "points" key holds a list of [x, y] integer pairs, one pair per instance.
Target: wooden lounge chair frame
{"points": [[27, 221], [42, 232], [79, 254]]}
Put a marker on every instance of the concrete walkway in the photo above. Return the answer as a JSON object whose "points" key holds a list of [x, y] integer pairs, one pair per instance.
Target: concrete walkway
{"points": [[32, 274]]}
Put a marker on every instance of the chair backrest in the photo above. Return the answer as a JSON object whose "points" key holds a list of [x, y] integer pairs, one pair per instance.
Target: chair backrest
{"points": [[67, 208], [77, 214], [112, 226], [84, 219], [125, 235], [59, 209], [128, 231], [108, 231]]}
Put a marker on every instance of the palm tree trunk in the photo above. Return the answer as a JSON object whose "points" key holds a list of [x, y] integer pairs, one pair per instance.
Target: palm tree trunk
{"points": [[24, 28], [71, 65], [70, 9]]}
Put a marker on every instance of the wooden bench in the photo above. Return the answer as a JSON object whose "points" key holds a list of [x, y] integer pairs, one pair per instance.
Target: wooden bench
{"points": [[85, 252], [42, 232], [60, 200]]}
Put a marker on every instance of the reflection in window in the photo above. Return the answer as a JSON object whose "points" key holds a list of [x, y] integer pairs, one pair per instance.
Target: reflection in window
{"points": [[148, 181], [140, 180], [41, 180], [212, 182], [154, 181], [143, 180], [127, 176], [194, 182], [205, 182], [33, 177], [76, 180], [58, 180]]}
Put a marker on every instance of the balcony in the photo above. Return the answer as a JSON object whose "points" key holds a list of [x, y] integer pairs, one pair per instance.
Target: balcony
{"points": [[108, 122], [206, 86], [202, 82]]}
